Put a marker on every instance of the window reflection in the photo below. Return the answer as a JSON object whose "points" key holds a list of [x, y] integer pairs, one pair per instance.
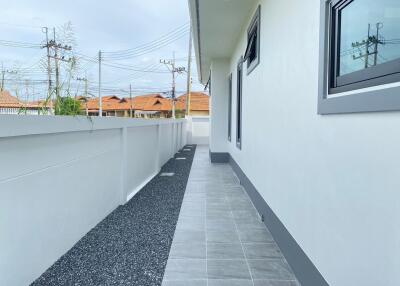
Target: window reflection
{"points": [[370, 34]]}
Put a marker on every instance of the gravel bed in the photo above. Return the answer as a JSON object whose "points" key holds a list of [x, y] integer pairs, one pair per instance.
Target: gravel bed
{"points": [[131, 245]]}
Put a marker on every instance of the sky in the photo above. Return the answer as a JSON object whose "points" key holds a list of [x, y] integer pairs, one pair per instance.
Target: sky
{"points": [[149, 30]]}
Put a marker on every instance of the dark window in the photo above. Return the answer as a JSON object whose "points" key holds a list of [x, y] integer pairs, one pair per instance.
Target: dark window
{"points": [[239, 104], [230, 109], [252, 54], [365, 44]]}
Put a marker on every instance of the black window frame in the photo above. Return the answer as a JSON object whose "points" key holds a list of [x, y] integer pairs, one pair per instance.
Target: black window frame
{"points": [[253, 31], [239, 106], [385, 73], [230, 109]]}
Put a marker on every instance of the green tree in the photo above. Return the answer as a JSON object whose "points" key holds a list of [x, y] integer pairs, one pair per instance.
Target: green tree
{"points": [[179, 113], [68, 106]]}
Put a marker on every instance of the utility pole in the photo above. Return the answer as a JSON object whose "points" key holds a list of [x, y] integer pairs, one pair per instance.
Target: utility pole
{"points": [[173, 88], [26, 96], [174, 70], [376, 42], [3, 74], [85, 80], [100, 98], [371, 40], [130, 100], [53, 44], [47, 46], [189, 75], [56, 64], [367, 47]]}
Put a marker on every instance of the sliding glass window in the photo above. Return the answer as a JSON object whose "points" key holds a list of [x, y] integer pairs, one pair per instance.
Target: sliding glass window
{"points": [[365, 44], [230, 109], [239, 104]]}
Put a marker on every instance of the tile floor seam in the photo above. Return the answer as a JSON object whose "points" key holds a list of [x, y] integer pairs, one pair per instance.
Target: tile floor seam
{"points": [[217, 189], [205, 231], [241, 245], [260, 217]]}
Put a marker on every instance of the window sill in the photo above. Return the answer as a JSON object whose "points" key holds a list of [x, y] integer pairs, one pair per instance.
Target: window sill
{"points": [[374, 99]]}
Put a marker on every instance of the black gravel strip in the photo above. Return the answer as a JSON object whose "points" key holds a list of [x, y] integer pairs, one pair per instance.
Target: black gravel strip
{"points": [[131, 245]]}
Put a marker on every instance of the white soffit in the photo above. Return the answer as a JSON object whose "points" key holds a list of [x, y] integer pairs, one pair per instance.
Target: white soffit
{"points": [[217, 25]]}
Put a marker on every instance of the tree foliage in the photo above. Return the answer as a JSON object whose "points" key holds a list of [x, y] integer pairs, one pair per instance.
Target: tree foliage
{"points": [[68, 106]]}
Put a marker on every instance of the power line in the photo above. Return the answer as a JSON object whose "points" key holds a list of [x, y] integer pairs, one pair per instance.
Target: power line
{"points": [[149, 47], [40, 68], [20, 25], [131, 68], [15, 44], [151, 43]]}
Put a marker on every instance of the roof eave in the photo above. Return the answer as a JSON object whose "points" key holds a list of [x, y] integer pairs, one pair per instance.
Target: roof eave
{"points": [[196, 33]]}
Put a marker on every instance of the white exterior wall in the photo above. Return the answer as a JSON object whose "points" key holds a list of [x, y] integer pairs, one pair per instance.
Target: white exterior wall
{"points": [[332, 180], [8, 110], [60, 176], [198, 130], [219, 105]]}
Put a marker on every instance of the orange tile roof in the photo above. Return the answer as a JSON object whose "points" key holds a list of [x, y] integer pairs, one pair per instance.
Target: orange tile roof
{"points": [[142, 102], [199, 101], [149, 102], [9, 101], [108, 103]]}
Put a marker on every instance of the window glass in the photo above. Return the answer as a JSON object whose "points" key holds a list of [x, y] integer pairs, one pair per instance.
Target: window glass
{"points": [[239, 104], [253, 47], [369, 34], [251, 51], [230, 109]]}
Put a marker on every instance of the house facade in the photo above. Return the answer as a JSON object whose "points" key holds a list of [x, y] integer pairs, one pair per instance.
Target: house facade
{"points": [[146, 106], [109, 106], [10, 104], [149, 106], [300, 99], [199, 104]]}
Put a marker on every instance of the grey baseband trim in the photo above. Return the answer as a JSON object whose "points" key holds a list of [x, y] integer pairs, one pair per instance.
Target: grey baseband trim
{"points": [[219, 157], [302, 266]]}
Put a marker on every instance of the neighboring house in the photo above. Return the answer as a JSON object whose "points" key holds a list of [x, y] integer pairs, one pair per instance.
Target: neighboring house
{"points": [[84, 104], [10, 104], [148, 106], [144, 106], [109, 105], [299, 94], [199, 104]]}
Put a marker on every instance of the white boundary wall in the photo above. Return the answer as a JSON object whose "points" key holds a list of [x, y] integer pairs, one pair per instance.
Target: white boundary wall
{"points": [[60, 176], [198, 130]]}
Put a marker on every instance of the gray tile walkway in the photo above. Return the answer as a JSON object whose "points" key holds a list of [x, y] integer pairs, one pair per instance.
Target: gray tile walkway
{"points": [[219, 239]]}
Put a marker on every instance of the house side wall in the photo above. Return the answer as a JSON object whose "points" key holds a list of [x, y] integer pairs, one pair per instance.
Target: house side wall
{"points": [[331, 180], [219, 105]]}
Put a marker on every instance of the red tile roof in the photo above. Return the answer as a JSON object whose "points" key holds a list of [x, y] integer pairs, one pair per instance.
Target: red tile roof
{"points": [[9, 101], [108, 103], [150, 102], [199, 101]]}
